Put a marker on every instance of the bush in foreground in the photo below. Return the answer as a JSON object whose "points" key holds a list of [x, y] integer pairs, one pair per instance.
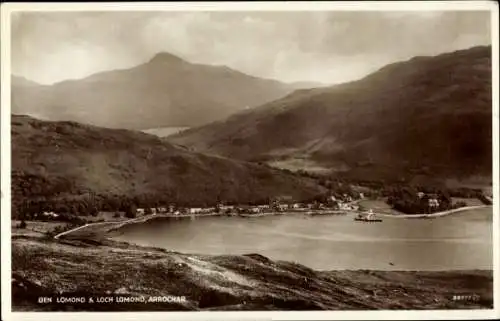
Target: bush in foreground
{"points": [[22, 225]]}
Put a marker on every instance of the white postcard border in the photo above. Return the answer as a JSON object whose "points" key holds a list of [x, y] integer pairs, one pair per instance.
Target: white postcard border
{"points": [[8, 8]]}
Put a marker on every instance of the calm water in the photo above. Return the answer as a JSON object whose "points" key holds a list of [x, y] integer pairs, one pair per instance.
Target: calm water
{"points": [[459, 241], [164, 131]]}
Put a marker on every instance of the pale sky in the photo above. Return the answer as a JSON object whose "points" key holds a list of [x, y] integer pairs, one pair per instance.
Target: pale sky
{"points": [[328, 47]]}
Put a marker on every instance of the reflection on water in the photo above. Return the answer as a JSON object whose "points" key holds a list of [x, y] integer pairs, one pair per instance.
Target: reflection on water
{"points": [[460, 241]]}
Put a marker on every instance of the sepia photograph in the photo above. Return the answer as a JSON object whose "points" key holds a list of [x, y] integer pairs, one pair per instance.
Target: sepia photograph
{"points": [[238, 157]]}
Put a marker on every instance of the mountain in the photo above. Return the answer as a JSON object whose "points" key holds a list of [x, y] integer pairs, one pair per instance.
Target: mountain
{"points": [[166, 91], [25, 92], [52, 159], [428, 116], [19, 81]]}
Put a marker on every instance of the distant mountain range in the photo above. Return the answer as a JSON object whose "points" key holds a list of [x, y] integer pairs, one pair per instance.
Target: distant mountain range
{"points": [[167, 91], [66, 159], [425, 117]]}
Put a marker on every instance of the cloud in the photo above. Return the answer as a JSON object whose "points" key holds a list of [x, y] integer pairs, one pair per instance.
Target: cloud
{"points": [[291, 46]]}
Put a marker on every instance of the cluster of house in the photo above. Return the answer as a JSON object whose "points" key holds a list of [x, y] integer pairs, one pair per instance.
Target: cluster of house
{"points": [[46, 215], [156, 210], [431, 198], [342, 203]]}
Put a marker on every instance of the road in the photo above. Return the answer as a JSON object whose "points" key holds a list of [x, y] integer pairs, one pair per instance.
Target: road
{"points": [[147, 217], [438, 214], [133, 220]]}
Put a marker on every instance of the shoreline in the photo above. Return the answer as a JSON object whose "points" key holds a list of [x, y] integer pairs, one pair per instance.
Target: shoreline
{"points": [[146, 218], [220, 282], [437, 214], [115, 225], [141, 219]]}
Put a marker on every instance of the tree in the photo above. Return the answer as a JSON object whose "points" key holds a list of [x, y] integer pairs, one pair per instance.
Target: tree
{"points": [[60, 208], [484, 199], [82, 207], [73, 209], [444, 197], [16, 211], [92, 210], [131, 211]]}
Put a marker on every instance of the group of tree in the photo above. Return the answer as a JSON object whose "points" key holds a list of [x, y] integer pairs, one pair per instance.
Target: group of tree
{"points": [[410, 200], [484, 199], [27, 185], [33, 194]]}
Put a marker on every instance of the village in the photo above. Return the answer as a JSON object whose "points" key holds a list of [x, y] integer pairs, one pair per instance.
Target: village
{"points": [[279, 204], [332, 204]]}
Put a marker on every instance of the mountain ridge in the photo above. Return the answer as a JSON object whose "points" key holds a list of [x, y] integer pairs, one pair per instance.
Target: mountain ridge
{"points": [[67, 159], [398, 118], [166, 90]]}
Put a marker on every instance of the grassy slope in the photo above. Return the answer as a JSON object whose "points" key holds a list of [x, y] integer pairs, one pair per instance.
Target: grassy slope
{"points": [[71, 158], [426, 116], [247, 282]]}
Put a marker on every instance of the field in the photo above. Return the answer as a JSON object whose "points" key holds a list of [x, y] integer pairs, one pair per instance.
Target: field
{"points": [[468, 201], [378, 206], [34, 228]]}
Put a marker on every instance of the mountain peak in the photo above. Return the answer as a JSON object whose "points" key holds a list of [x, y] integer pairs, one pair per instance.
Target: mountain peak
{"points": [[163, 57]]}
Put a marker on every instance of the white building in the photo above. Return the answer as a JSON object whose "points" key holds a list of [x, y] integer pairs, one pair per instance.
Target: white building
{"points": [[263, 208], [282, 207], [195, 210], [50, 214], [433, 202], [344, 206]]}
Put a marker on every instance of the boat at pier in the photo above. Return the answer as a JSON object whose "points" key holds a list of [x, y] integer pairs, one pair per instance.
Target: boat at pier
{"points": [[367, 217]]}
